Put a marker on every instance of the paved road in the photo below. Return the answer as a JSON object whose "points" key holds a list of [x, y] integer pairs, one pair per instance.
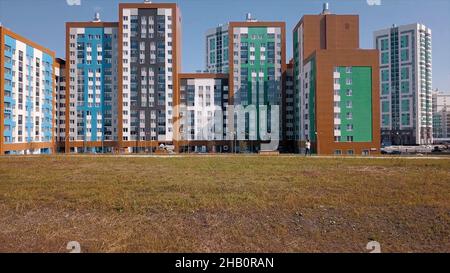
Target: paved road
{"points": [[313, 157]]}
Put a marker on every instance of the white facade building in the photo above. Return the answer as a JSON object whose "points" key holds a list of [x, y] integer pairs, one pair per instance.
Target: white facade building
{"points": [[203, 102], [405, 84], [441, 116]]}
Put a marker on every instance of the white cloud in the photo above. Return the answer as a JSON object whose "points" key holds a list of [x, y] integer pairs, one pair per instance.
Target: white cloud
{"points": [[73, 2], [373, 2]]}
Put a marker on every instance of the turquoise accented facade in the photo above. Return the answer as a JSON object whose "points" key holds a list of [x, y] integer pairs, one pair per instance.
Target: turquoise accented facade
{"points": [[258, 94], [28, 97], [9, 101], [356, 103], [95, 109]]}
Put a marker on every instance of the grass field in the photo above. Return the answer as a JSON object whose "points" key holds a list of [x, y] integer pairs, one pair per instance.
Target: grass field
{"points": [[223, 204]]}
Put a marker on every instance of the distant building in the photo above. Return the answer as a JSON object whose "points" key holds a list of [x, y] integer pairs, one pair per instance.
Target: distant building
{"points": [[406, 73], [289, 126], [217, 50], [60, 104], [441, 116], [253, 53]]}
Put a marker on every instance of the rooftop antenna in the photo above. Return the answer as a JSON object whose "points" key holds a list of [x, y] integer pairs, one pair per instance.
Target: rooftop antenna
{"points": [[326, 8], [249, 18], [97, 17]]}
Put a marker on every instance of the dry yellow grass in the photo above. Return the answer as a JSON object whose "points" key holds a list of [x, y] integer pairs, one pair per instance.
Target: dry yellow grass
{"points": [[223, 204]]}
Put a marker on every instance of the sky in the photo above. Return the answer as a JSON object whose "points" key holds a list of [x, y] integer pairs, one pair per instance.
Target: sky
{"points": [[43, 21]]}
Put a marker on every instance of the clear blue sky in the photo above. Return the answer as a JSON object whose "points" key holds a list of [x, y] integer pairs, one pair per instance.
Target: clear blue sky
{"points": [[43, 21]]}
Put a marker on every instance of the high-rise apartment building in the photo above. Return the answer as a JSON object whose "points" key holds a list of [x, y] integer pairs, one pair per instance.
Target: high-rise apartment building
{"points": [[203, 112], [441, 116], [27, 96], [60, 104], [289, 128], [336, 86], [150, 60], [406, 91], [91, 110], [256, 65], [217, 50]]}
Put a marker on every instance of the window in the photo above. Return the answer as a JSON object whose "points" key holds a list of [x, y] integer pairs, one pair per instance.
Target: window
{"points": [[404, 55], [348, 69], [385, 58], [349, 115], [349, 127], [385, 75], [405, 119], [405, 87], [385, 89], [384, 44], [405, 73], [349, 92], [350, 152], [349, 104], [348, 81], [385, 106], [405, 105], [385, 120], [404, 41], [337, 152], [349, 138]]}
